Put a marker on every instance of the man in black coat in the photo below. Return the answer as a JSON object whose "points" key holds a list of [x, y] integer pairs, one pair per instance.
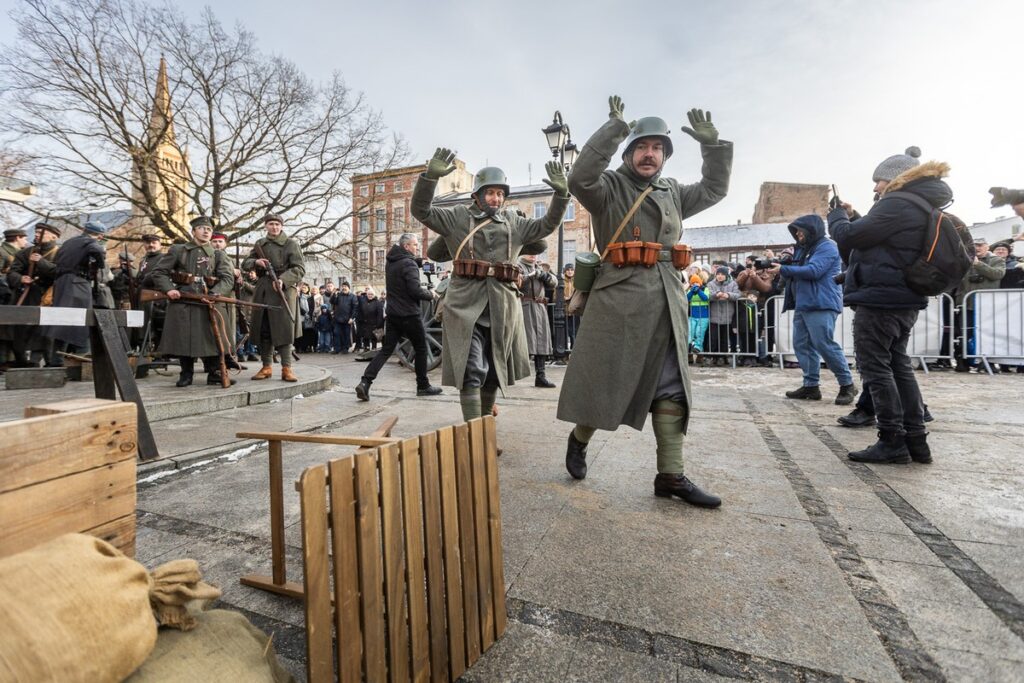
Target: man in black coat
{"points": [[343, 306], [403, 316], [78, 261], [877, 248]]}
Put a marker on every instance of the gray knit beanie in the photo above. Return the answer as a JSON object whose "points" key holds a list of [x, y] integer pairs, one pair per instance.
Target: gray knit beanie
{"points": [[897, 164]]}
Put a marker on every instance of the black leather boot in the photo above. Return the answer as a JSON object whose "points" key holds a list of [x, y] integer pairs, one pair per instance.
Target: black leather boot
{"points": [[857, 418], [576, 457], [542, 380], [213, 379], [668, 485], [847, 393], [805, 393], [890, 449], [918, 448], [363, 390], [187, 369]]}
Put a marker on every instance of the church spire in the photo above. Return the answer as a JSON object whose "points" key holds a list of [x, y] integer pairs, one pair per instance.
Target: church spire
{"points": [[161, 122]]}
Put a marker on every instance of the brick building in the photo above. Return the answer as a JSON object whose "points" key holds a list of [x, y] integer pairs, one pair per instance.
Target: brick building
{"points": [[783, 202]]}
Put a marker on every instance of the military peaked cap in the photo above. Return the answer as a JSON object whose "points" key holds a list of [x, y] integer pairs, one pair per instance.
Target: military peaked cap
{"points": [[14, 232], [276, 217], [52, 229], [201, 222]]}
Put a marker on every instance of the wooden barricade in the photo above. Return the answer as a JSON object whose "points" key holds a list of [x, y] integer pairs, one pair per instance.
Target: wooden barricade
{"points": [[414, 530], [69, 467]]}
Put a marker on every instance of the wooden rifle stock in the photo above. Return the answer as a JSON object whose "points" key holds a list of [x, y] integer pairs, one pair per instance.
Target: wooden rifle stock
{"points": [[148, 295], [278, 285]]}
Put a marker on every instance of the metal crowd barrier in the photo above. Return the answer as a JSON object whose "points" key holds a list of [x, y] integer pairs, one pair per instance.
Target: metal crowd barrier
{"points": [[931, 338], [993, 327], [741, 337]]}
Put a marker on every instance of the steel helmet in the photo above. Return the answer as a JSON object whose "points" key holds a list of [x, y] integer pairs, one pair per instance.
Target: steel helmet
{"points": [[650, 127], [490, 176]]}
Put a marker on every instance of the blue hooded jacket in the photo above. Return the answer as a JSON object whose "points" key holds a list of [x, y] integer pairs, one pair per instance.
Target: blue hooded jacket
{"points": [[810, 280]]}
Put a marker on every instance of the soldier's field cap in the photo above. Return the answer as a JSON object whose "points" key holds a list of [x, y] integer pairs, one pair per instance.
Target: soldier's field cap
{"points": [[201, 222], [151, 238], [96, 228], [52, 229], [14, 232], [273, 217], [219, 236]]}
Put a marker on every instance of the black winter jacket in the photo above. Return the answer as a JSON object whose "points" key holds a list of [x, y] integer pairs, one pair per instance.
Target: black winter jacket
{"points": [[343, 306], [371, 313], [878, 246], [403, 282]]}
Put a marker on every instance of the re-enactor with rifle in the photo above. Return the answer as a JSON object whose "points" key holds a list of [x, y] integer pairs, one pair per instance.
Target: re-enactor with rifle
{"points": [[14, 241], [630, 357], [195, 331], [278, 262], [155, 311], [78, 261], [32, 275]]}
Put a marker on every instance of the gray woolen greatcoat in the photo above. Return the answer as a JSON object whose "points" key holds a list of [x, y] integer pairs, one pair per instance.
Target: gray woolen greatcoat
{"points": [[187, 331], [632, 313], [535, 314], [467, 299], [285, 256]]}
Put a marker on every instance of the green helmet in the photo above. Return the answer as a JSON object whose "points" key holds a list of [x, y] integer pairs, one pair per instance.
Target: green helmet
{"points": [[649, 127], [490, 176]]}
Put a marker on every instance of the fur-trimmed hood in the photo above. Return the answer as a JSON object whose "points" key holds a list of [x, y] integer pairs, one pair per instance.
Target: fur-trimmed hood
{"points": [[929, 169]]}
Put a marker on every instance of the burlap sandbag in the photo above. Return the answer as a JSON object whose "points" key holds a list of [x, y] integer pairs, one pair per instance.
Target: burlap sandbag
{"points": [[73, 609], [223, 646]]}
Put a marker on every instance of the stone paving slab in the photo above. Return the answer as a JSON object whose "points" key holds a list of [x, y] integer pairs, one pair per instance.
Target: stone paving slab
{"points": [[812, 568]]}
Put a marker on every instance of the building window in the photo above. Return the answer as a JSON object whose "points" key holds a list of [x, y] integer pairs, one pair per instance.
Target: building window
{"points": [[737, 256], [398, 217], [569, 251], [364, 191], [382, 220], [379, 189], [378, 258], [539, 209], [570, 212], [399, 186], [364, 223], [702, 258], [364, 258]]}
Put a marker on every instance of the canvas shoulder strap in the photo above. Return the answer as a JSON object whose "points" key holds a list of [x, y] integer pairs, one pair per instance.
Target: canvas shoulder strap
{"points": [[467, 238], [629, 214]]}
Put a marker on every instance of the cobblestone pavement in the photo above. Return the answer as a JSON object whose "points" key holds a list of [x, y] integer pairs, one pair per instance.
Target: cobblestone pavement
{"points": [[815, 568]]}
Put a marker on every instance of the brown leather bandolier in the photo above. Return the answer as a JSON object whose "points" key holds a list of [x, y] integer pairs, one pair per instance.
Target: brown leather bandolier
{"points": [[639, 253], [478, 269], [184, 279]]}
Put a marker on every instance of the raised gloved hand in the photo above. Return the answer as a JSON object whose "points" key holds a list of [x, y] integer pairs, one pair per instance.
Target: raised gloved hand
{"points": [[440, 164], [615, 107], [556, 178], [702, 130]]}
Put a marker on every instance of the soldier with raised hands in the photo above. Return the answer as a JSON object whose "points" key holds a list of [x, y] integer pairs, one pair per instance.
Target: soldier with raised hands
{"points": [[630, 357], [484, 339], [277, 260]]}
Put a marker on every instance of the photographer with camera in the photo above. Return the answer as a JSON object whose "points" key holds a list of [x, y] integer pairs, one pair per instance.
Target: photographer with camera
{"points": [[757, 283], [817, 300], [986, 272]]}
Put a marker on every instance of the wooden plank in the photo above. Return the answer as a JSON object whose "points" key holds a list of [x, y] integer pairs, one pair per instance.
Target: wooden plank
{"points": [[412, 509], [119, 533], [50, 315], [433, 542], [34, 514], [47, 447], [452, 553], [483, 535], [316, 575], [34, 378], [394, 564], [467, 542], [277, 558], [290, 589], [494, 522], [66, 406], [346, 571], [337, 439], [370, 570]]}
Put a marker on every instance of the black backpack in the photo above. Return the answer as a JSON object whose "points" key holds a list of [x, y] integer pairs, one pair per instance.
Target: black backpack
{"points": [[947, 251]]}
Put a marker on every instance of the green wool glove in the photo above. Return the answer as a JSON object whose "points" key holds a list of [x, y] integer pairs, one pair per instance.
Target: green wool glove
{"points": [[556, 178], [440, 164], [703, 131], [615, 107]]}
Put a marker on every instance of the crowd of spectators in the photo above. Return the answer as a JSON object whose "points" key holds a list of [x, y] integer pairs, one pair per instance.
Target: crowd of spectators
{"points": [[337, 320]]}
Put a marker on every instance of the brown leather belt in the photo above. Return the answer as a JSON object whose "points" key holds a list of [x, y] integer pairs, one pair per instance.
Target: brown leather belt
{"points": [[541, 300]]}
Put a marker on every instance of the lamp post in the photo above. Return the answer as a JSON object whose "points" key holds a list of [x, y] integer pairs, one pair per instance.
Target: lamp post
{"points": [[562, 148]]}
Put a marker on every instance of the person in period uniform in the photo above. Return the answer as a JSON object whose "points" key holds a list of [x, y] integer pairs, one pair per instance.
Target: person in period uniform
{"points": [[276, 329], [123, 282], [194, 268], [155, 311], [536, 281], [37, 260], [229, 311], [14, 241], [484, 346], [78, 262], [630, 357]]}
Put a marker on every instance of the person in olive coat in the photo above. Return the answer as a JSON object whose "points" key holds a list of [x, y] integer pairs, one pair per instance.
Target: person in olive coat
{"points": [[194, 268], [13, 242], [536, 281], [38, 259], [630, 357], [274, 329], [484, 346]]}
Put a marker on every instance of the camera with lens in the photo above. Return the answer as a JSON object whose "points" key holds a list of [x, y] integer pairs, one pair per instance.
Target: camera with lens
{"points": [[764, 263], [429, 267], [1001, 196]]}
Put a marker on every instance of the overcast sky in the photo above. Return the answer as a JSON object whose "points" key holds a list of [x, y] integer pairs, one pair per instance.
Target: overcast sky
{"points": [[810, 92]]}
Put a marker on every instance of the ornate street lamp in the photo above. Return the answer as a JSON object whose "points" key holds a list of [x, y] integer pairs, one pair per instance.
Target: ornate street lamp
{"points": [[562, 148]]}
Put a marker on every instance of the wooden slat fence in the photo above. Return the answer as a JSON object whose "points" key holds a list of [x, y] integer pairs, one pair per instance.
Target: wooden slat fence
{"points": [[414, 532]]}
